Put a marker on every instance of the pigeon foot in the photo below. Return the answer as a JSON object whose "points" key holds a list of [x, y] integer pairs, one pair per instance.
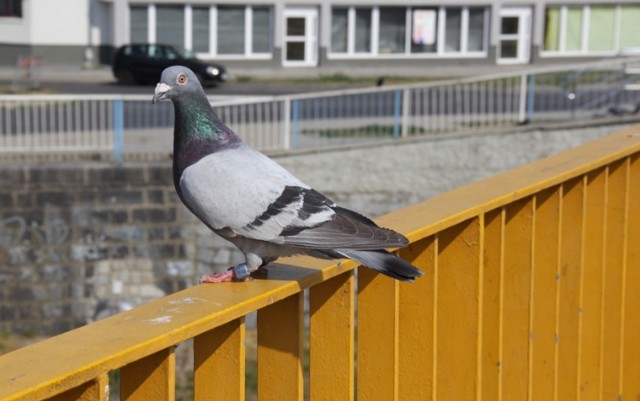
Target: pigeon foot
{"points": [[234, 273], [217, 277]]}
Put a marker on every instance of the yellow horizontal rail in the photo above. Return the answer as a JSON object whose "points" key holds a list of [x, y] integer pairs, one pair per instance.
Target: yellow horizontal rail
{"points": [[530, 293]]}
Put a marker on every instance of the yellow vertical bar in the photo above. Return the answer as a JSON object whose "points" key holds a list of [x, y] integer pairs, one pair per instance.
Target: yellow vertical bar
{"points": [[458, 309], [571, 247], [614, 260], [416, 325], [94, 390], [544, 287], [492, 305], [150, 378], [518, 232], [594, 245], [377, 346], [280, 350], [631, 365], [218, 363], [331, 339]]}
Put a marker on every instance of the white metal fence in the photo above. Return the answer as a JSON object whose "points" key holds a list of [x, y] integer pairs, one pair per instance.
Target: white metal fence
{"points": [[122, 126]]}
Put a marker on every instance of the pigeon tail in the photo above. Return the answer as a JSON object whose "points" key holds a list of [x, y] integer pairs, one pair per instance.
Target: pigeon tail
{"points": [[383, 262]]}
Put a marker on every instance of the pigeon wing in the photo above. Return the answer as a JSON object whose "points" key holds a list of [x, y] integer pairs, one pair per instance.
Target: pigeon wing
{"points": [[346, 232], [303, 217], [246, 194]]}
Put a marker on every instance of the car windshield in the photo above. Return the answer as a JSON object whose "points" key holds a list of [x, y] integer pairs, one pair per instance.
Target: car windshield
{"points": [[186, 53], [168, 52]]}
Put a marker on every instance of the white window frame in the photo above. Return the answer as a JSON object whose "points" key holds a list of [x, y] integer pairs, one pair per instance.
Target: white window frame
{"points": [[464, 32], [584, 51], [351, 35], [213, 33], [309, 38], [151, 23], [248, 37], [439, 53]]}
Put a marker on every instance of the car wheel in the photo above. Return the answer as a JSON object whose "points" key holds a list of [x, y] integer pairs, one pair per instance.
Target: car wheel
{"points": [[125, 77]]}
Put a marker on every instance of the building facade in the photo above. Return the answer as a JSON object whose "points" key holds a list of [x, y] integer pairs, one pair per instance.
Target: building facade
{"points": [[312, 33]]}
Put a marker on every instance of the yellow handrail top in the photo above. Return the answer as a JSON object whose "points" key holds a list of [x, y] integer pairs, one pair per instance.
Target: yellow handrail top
{"points": [[73, 358]]}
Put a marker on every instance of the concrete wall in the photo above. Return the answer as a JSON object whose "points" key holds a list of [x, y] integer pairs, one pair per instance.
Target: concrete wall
{"points": [[78, 242], [60, 31]]}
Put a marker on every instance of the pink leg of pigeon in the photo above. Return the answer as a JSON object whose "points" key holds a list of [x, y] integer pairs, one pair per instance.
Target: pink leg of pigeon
{"points": [[217, 277], [231, 275]]}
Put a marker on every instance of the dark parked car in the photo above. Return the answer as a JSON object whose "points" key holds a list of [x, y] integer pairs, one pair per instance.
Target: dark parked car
{"points": [[143, 63]]}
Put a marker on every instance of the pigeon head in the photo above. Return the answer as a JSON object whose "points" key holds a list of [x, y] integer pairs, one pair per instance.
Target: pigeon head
{"points": [[175, 81], [197, 130]]}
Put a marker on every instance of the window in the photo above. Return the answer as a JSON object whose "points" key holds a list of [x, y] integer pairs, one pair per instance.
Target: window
{"points": [[170, 25], [404, 31], [591, 29], [200, 26], [573, 35], [262, 28], [392, 30], [453, 29], [339, 30], [215, 30], [424, 28], [476, 32], [552, 29], [10, 8], [363, 30], [351, 30], [630, 27], [244, 30], [231, 30], [139, 24], [601, 28]]}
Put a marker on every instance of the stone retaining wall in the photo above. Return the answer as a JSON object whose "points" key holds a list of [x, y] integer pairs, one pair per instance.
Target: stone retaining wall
{"points": [[79, 242]]}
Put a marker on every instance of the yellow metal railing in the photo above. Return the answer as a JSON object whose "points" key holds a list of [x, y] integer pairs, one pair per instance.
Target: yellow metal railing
{"points": [[531, 292]]}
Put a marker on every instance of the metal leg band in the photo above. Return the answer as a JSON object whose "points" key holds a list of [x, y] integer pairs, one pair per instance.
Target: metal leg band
{"points": [[241, 271]]}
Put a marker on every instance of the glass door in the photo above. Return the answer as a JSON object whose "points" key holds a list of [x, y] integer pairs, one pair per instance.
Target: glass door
{"points": [[514, 38], [300, 47]]}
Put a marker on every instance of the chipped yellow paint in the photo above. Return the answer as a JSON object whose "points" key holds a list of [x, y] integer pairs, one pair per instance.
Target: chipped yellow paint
{"points": [[529, 293]]}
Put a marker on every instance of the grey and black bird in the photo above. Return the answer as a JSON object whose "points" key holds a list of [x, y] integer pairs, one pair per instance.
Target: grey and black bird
{"points": [[250, 200]]}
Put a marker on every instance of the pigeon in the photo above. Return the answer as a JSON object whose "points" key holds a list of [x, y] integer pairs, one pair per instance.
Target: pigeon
{"points": [[248, 199]]}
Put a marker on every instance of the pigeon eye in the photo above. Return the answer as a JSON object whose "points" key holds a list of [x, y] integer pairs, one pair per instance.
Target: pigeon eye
{"points": [[182, 79]]}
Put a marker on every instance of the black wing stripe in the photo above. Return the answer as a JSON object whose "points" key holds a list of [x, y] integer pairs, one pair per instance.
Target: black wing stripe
{"points": [[313, 202], [288, 196]]}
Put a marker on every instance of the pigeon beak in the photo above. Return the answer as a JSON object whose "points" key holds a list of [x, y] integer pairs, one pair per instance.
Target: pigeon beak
{"points": [[161, 92]]}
